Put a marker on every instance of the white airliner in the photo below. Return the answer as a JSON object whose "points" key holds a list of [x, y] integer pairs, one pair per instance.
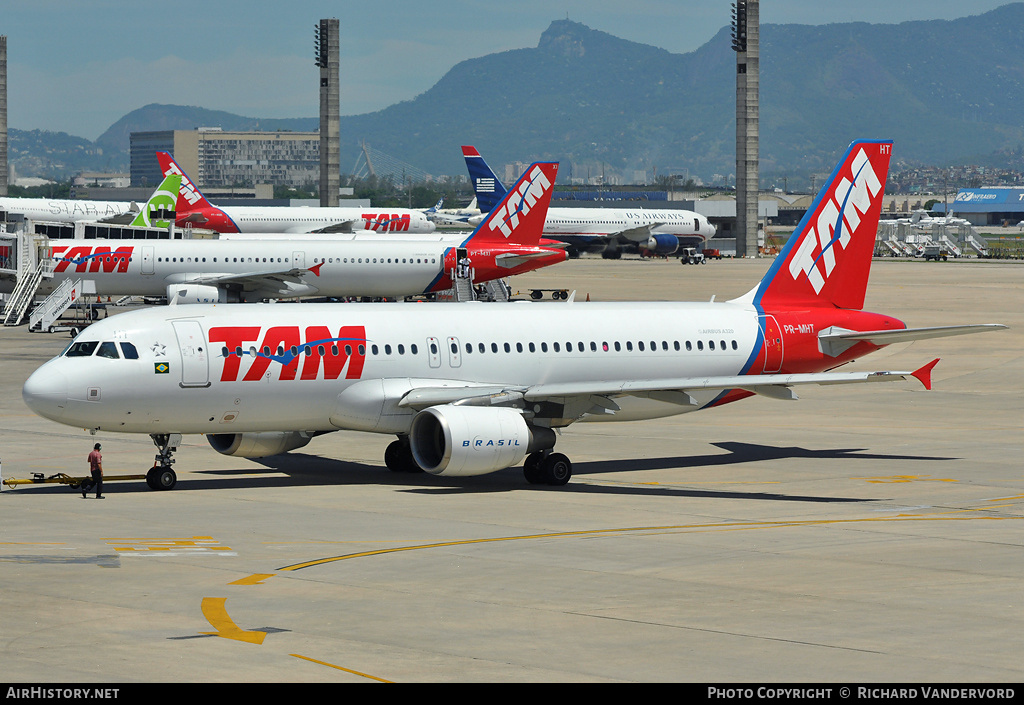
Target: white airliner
{"points": [[473, 388], [604, 230], [194, 209], [70, 210], [360, 265]]}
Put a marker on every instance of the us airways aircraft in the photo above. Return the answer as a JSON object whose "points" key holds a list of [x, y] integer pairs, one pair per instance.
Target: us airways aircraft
{"points": [[471, 388], [604, 230], [366, 265], [194, 209]]}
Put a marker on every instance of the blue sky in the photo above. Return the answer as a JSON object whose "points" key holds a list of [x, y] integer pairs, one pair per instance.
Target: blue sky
{"points": [[78, 67]]}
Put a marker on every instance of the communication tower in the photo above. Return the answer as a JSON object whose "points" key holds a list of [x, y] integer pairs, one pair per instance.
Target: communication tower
{"points": [[325, 42], [4, 168], [745, 42]]}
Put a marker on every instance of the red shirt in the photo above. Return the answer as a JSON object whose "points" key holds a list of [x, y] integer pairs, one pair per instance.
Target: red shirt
{"points": [[95, 460]]}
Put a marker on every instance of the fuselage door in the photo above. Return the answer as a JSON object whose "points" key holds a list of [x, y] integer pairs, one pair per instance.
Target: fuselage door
{"points": [[434, 352], [147, 259], [454, 354], [772, 344], [195, 368], [299, 260]]}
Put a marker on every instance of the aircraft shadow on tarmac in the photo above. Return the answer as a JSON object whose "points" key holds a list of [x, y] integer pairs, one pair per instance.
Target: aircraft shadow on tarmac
{"points": [[300, 470]]}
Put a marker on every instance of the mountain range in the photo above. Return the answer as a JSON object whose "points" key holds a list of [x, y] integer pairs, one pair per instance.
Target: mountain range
{"points": [[946, 91]]}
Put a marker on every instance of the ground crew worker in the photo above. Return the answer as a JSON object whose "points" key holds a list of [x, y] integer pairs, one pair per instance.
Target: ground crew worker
{"points": [[96, 468]]}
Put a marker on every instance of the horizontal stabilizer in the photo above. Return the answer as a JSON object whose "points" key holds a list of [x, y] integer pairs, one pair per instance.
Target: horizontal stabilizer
{"points": [[835, 341]]}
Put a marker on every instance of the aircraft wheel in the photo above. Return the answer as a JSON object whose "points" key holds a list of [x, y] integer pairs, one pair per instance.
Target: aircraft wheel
{"points": [[398, 458], [533, 469], [556, 469], [161, 478]]}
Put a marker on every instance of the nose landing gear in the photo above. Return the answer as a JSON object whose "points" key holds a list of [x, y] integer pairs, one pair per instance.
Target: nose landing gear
{"points": [[161, 476]]}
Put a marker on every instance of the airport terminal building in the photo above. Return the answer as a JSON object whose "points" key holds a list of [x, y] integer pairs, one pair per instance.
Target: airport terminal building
{"points": [[988, 206], [215, 158]]}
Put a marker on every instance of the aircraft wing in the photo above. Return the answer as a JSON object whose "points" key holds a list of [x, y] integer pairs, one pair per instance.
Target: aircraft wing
{"points": [[122, 218], [638, 234], [251, 281], [598, 397], [344, 226]]}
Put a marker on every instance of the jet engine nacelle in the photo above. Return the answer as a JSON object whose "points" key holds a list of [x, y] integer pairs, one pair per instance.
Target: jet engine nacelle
{"points": [[454, 440], [198, 294], [661, 244], [257, 445]]}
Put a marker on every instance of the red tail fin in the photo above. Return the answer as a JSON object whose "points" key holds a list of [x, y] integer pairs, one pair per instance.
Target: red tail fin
{"points": [[190, 198], [519, 217], [827, 259]]}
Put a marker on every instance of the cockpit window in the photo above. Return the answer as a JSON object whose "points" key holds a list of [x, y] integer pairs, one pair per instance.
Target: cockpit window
{"points": [[130, 353], [108, 350], [82, 349]]}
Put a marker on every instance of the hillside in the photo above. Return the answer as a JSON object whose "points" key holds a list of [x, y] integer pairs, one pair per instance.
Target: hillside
{"points": [[947, 92]]}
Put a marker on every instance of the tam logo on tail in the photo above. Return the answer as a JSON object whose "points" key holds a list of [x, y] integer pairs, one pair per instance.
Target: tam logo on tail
{"points": [[506, 216], [827, 260], [190, 196], [837, 221]]}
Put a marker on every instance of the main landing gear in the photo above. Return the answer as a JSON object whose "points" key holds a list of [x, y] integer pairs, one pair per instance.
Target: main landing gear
{"points": [[398, 456], [547, 468], [161, 476]]}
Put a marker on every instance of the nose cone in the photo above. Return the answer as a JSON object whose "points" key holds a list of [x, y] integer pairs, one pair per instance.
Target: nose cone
{"points": [[711, 231], [46, 392], [431, 227]]}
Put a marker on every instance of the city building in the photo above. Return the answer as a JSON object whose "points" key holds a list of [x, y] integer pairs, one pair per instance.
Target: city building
{"points": [[214, 158]]}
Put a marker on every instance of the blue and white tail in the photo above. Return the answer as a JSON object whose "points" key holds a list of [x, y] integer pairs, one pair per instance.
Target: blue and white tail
{"points": [[488, 188]]}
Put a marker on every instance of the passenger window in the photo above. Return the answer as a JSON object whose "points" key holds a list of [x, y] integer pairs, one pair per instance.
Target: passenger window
{"points": [[413, 349], [129, 351]]}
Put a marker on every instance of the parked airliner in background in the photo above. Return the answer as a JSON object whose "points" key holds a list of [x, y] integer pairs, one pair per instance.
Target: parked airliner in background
{"points": [[70, 210], [194, 209], [473, 388], [604, 230], [470, 215], [360, 265]]}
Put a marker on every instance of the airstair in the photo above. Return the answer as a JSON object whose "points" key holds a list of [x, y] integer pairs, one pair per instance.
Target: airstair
{"points": [[30, 271], [497, 290], [950, 246], [463, 285], [976, 244], [53, 306]]}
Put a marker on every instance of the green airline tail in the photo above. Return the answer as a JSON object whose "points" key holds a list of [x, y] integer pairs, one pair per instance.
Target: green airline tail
{"points": [[159, 210]]}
